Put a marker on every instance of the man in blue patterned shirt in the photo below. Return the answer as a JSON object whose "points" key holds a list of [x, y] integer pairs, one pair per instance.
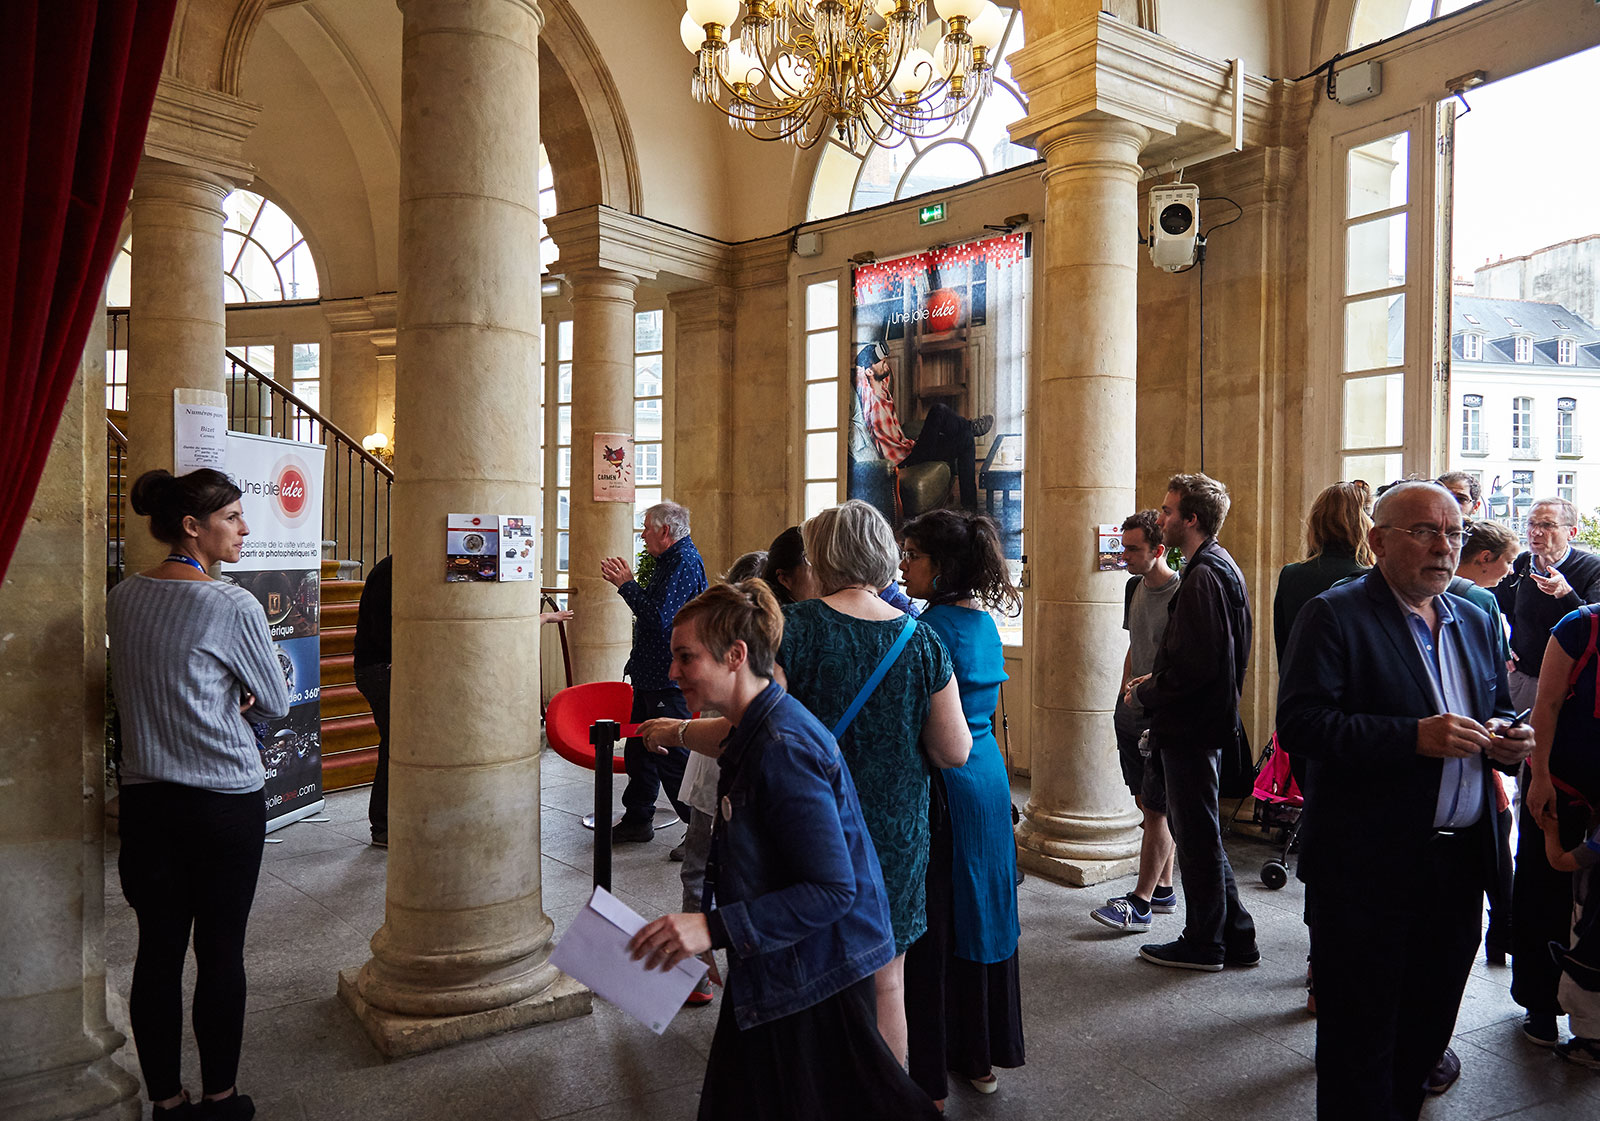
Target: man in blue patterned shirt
{"points": [[679, 576]]}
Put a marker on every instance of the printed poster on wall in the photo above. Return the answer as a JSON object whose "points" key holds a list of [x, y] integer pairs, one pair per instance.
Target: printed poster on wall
{"points": [[281, 565], [472, 548], [199, 430], [940, 373], [519, 547], [1109, 548], [613, 467]]}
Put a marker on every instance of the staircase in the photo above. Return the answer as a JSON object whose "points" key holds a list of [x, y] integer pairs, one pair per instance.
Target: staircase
{"points": [[349, 734]]}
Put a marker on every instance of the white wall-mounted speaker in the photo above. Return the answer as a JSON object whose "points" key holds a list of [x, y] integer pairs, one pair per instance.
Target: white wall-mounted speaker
{"points": [[1174, 225]]}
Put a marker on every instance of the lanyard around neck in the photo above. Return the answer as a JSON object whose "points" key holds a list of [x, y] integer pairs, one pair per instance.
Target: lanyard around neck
{"points": [[181, 559]]}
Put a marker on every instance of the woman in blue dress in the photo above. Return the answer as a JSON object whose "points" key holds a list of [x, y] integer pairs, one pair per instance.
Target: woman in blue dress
{"points": [[963, 998]]}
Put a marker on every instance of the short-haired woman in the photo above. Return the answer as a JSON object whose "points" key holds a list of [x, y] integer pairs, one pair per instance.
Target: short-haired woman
{"points": [[798, 899], [189, 656], [963, 994]]}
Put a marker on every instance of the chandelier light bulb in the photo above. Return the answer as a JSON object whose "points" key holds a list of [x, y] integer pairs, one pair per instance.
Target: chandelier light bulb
{"points": [[739, 65], [721, 12], [790, 75], [914, 73], [692, 34], [965, 9], [988, 27]]}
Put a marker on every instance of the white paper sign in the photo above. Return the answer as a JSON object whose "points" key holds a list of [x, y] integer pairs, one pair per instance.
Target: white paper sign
{"points": [[595, 951], [519, 547], [199, 430]]}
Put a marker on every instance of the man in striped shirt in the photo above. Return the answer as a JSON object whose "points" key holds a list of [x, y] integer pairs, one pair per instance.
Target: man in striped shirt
{"points": [[946, 435]]}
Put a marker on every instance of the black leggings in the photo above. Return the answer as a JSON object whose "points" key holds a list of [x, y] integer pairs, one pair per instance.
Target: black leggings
{"points": [[189, 858]]}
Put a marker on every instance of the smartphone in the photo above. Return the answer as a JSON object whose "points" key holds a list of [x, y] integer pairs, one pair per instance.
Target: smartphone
{"points": [[1520, 718]]}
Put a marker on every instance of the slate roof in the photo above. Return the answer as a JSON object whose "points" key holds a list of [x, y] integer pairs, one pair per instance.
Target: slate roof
{"points": [[1545, 323]]}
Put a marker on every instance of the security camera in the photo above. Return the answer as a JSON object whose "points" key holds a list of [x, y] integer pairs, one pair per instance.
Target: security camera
{"points": [[1174, 225]]}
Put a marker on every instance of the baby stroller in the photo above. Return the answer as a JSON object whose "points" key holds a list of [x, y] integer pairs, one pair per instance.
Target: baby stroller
{"points": [[1278, 803]]}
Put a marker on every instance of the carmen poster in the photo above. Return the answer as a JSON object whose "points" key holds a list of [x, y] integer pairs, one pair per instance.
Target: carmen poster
{"points": [[281, 565], [940, 357]]}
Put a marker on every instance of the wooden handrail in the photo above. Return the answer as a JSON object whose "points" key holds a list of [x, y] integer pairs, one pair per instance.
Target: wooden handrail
{"points": [[116, 434], [289, 395]]}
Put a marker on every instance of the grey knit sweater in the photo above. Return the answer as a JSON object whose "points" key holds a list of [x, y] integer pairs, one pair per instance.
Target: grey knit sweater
{"points": [[183, 655]]}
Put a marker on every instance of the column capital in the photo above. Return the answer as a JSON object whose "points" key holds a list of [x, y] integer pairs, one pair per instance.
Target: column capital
{"points": [[369, 316], [598, 236], [596, 282], [1101, 67], [192, 126]]}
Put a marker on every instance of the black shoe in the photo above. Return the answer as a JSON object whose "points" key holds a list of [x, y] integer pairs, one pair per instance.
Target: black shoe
{"points": [[1444, 1073], [380, 838], [633, 830], [234, 1107], [183, 1111], [1180, 955], [981, 426], [1242, 959], [1540, 1028]]}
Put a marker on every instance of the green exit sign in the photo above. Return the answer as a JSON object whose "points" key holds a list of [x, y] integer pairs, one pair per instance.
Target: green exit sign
{"points": [[928, 215]]}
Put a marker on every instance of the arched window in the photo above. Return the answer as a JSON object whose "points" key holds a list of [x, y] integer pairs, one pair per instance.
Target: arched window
{"points": [[854, 180], [547, 208], [265, 258], [1379, 19]]}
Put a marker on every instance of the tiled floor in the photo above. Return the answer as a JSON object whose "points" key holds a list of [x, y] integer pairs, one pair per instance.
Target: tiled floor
{"points": [[1108, 1036]]}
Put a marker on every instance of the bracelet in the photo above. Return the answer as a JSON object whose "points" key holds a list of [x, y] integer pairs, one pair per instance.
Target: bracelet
{"points": [[683, 726]]}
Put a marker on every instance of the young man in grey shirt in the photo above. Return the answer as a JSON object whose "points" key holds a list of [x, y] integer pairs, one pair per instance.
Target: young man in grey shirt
{"points": [[1151, 584]]}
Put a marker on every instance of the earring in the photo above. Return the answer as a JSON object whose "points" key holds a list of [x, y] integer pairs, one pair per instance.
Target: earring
{"points": [[936, 584]]}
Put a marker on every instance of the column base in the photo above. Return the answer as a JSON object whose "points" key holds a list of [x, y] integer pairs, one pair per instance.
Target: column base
{"points": [[398, 1036], [101, 1091], [1075, 872]]}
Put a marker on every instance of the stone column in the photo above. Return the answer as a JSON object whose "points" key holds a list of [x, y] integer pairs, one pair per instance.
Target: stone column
{"points": [[703, 474], [177, 303], [55, 1042], [602, 401], [1079, 825], [464, 948]]}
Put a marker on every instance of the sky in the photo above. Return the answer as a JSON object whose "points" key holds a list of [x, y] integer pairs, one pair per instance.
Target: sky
{"points": [[1527, 169]]}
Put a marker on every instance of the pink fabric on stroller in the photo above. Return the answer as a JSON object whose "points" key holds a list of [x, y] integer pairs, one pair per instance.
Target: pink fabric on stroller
{"points": [[1275, 781]]}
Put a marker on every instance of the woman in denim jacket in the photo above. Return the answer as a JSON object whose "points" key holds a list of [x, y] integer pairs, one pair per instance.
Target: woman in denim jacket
{"points": [[793, 890]]}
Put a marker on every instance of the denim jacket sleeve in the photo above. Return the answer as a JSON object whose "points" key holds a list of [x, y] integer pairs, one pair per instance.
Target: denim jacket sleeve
{"points": [[794, 806]]}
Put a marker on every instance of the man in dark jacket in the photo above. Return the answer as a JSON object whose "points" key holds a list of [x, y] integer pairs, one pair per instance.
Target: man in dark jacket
{"points": [[1193, 698], [374, 631]]}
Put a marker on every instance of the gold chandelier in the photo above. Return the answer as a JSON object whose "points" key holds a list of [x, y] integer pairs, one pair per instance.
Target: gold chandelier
{"points": [[870, 69]]}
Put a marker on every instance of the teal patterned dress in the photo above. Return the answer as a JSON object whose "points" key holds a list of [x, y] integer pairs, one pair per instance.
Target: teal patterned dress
{"points": [[828, 656]]}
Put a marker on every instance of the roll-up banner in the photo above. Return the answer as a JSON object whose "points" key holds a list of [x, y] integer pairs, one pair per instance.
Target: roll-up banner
{"points": [[281, 565]]}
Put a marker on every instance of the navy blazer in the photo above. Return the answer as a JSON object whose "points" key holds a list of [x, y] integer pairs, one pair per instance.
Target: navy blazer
{"points": [[1351, 690]]}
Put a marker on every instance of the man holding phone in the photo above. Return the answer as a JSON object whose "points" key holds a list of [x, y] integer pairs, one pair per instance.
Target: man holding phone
{"points": [[1552, 578], [1395, 694]]}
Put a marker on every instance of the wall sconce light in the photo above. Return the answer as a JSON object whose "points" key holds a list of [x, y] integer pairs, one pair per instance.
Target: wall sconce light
{"points": [[377, 444]]}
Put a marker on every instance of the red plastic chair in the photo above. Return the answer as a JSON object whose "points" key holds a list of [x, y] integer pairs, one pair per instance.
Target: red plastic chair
{"points": [[571, 711]]}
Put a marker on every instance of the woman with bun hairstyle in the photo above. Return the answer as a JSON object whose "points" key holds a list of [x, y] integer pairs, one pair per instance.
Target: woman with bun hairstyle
{"points": [[189, 657], [793, 891], [963, 992], [787, 571]]}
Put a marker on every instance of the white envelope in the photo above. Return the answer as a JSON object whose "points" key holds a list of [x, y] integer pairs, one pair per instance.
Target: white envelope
{"points": [[595, 951]]}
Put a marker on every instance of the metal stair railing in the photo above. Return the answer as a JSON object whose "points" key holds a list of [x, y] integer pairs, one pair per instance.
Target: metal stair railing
{"points": [[116, 475], [357, 485]]}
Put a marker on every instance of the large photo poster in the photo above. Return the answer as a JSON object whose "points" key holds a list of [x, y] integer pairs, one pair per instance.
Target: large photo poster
{"points": [[940, 357], [281, 565]]}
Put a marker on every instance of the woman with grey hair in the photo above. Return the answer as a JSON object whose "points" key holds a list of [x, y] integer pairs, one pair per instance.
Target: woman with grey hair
{"points": [[830, 647], [907, 722]]}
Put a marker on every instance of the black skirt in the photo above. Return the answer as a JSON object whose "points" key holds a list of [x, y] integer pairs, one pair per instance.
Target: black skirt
{"points": [[962, 1016], [826, 1063]]}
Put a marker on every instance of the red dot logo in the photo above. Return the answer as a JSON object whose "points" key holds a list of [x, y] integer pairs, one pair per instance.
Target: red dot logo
{"points": [[292, 491]]}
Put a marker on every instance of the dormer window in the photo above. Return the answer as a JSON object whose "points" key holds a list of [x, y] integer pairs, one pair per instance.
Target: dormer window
{"points": [[1566, 352], [1472, 346], [1522, 349], [1512, 322]]}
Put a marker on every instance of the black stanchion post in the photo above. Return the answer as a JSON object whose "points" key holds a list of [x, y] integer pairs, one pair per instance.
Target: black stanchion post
{"points": [[603, 734]]}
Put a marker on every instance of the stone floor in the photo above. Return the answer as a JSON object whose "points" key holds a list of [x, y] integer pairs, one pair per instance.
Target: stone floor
{"points": [[1108, 1036]]}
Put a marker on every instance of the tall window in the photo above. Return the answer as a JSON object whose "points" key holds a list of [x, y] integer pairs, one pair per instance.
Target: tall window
{"points": [[558, 452], [647, 417], [853, 180], [1522, 424], [1566, 484], [1472, 425], [1472, 347], [821, 469], [1522, 349], [307, 384], [1377, 209], [1566, 352], [1567, 440]]}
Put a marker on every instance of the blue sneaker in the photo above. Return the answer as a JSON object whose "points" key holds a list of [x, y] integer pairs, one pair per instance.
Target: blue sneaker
{"points": [[1120, 914], [1164, 904]]}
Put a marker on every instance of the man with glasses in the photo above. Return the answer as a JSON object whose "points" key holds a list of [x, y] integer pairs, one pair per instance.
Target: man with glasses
{"points": [[1395, 694], [1552, 578]]}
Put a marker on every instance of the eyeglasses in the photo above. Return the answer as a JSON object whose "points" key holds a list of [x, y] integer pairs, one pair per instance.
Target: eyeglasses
{"points": [[1427, 534], [1546, 527], [909, 555]]}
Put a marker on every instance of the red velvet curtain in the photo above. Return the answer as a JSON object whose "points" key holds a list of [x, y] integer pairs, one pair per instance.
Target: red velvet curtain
{"points": [[77, 78]]}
